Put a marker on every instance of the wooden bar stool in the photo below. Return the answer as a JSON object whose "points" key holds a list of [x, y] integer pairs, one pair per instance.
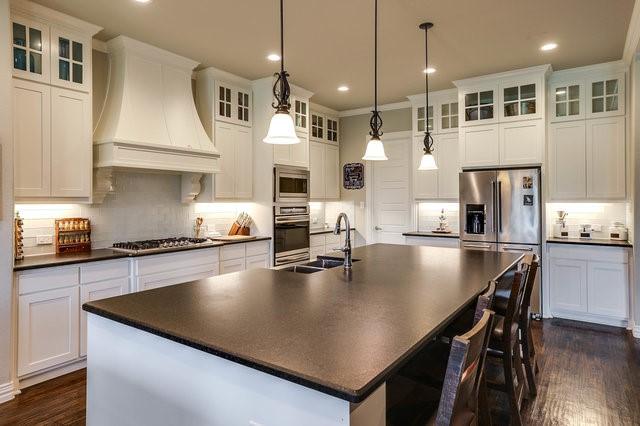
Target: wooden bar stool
{"points": [[504, 345], [410, 402]]}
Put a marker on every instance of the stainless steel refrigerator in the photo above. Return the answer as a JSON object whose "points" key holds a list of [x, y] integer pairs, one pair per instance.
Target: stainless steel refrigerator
{"points": [[500, 210]]}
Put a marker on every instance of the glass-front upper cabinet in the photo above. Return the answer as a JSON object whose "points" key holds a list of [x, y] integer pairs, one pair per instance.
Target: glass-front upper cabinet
{"points": [[605, 96], [232, 104], [317, 126], [69, 60], [332, 130], [300, 109], [423, 120], [566, 101], [30, 49], [449, 117], [519, 100], [479, 107], [224, 104], [243, 107]]}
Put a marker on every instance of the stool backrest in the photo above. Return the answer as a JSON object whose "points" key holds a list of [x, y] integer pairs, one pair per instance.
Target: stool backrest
{"points": [[530, 264], [459, 400], [512, 314], [485, 300]]}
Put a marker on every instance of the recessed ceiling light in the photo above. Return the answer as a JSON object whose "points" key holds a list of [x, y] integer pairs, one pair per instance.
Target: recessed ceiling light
{"points": [[273, 57], [548, 46], [429, 70], [143, 1], [343, 88]]}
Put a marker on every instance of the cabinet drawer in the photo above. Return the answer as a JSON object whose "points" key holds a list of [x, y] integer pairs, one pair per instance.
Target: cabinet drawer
{"points": [[256, 248], [173, 261], [47, 279], [257, 262], [181, 276], [316, 240], [233, 265], [100, 271], [578, 252], [233, 251]]}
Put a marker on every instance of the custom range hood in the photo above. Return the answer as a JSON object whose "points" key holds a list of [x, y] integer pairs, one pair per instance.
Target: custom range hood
{"points": [[149, 120]]}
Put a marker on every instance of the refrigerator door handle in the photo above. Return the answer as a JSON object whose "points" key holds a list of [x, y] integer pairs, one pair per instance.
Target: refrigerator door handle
{"points": [[493, 205], [510, 248], [499, 209]]}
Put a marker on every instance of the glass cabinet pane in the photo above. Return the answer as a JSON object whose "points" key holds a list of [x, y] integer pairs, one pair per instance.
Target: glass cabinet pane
{"points": [[454, 121], [19, 59], [574, 108], [510, 94], [597, 88], [561, 94], [35, 62], [420, 113], [561, 109], [77, 73], [597, 105], [486, 97], [35, 39], [471, 114], [511, 109], [64, 71], [574, 92], [528, 107], [612, 87], [63, 48], [19, 34], [470, 99], [486, 112], [444, 109], [612, 103], [77, 51], [528, 91], [444, 122]]}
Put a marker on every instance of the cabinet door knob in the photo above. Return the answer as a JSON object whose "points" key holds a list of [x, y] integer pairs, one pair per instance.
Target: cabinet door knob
{"points": [[377, 228]]}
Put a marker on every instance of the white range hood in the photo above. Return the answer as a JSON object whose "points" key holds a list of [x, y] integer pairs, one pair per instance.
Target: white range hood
{"points": [[149, 121]]}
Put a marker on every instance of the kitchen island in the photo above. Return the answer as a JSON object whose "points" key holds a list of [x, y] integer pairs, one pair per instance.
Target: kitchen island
{"points": [[268, 347]]}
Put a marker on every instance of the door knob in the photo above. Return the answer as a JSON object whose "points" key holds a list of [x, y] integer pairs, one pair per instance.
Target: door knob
{"points": [[377, 228]]}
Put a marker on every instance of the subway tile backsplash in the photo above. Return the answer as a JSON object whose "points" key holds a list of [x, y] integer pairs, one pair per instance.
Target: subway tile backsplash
{"points": [[594, 214], [143, 206], [429, 213]]}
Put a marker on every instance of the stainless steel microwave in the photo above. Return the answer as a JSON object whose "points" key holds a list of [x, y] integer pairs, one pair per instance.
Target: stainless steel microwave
{"points": [[291, 185]]}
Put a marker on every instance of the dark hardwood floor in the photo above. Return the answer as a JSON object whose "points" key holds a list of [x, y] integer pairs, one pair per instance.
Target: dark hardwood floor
{"points": [[589, 375]]}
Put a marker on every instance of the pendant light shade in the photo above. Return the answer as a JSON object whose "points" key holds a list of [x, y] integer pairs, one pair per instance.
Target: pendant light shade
{"points": [[375, 148], [428, 161], [375, 151], [281, 129]]}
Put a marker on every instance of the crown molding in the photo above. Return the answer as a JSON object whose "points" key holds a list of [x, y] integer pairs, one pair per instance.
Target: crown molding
{"points": [[633, 36], [38, 12]]}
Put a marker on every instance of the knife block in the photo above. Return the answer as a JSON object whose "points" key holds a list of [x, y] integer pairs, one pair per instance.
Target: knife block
{"points": [[236, 229]]}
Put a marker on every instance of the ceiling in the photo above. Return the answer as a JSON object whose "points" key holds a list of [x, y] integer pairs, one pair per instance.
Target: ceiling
{"points": [[330, 42]]}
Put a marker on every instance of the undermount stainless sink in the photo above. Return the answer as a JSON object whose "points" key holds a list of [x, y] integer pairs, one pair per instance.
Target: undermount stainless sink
{"points": [[302, 269], [316, 266], [324, 263]]}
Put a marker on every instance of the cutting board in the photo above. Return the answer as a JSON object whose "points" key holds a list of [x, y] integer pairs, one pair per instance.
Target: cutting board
{"points": [[235, 238]]}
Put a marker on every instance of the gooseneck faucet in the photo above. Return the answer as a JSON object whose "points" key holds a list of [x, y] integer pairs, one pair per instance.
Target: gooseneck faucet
{"points": [[347, 242]]}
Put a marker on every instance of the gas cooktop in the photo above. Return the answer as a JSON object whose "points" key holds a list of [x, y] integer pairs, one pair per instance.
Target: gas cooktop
{"points": [[165, 244]]}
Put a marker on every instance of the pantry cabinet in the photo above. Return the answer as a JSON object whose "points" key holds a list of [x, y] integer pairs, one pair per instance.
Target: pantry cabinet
{"points": [[324, 171], [587, 159], [589, 283]]}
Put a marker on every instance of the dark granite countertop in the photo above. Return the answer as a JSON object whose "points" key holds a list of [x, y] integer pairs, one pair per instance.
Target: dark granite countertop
{"points": [[51, 260], [342, 334], [318, 231], [431, 234], [592, 242]]}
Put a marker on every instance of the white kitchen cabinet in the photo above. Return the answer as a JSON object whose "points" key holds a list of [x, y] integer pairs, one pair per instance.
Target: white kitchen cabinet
{"points": [[257, 262], [233, 265], [324, 171], [606, 166], [589, 283], [52, 140], [71, 144], [234, 142], [448, 122], [521, 98], [566, 101], [321, 244], [178, 276], [477, 105], [300, 113], [522, 142], [432, 241], [233, 104], [293, 155], [606, 95], [332, 130], [568, 283], [420, 119], [48, 328], [96, 291], [425, 182], [32, 139], [443, 182], [479, 146], [567, 160], [30, 48], [318, 127], [70, 59]]}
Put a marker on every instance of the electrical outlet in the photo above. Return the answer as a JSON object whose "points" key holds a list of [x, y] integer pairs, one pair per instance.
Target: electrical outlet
{"points": [[43, 240], [596, 228]]}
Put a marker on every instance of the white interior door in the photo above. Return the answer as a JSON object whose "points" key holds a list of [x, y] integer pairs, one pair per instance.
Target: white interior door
{"points": [[391, 191]]}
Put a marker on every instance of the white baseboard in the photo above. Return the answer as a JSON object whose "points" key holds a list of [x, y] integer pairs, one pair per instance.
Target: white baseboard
{"points": [[7, 392], [636, 331], [52, 373]]}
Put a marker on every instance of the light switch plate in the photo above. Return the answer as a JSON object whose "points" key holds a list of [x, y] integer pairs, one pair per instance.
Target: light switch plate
{"points": [[43, 240]]}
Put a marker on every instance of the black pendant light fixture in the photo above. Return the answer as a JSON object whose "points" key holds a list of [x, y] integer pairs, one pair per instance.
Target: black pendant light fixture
{"points": [[428, 161], [375, 148], [281, 129]]}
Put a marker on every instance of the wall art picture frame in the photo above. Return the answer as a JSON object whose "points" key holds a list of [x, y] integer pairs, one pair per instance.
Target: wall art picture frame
{"points": [[353, 176]]}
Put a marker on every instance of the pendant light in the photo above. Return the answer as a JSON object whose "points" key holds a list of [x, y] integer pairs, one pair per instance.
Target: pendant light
{"points": [[428, 162], [281, 129], [375, 149]]}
